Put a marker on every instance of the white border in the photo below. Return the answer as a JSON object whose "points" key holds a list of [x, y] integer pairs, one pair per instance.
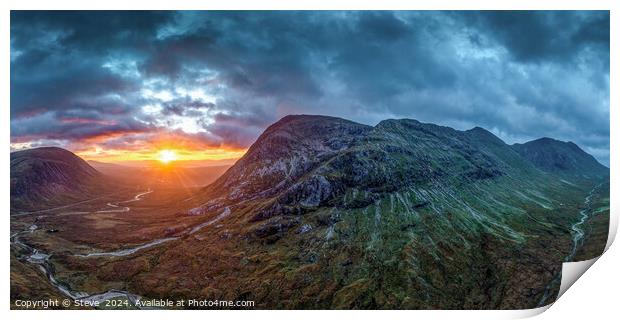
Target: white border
{"points": [[7, 5]]}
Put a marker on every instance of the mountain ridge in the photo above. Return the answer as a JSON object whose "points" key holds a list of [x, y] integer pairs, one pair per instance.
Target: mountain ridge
{"points": [[433, 205], [489, 153]]}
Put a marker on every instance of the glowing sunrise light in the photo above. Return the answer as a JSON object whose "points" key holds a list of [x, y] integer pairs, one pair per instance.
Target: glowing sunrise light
{"points": [[166, 156]]}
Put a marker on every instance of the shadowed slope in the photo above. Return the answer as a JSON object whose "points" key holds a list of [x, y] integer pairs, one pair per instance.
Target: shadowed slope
{"points": [[49, 175]]}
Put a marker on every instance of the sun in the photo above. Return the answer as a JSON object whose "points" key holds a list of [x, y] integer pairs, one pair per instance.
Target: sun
{"points": [[166, 156]]}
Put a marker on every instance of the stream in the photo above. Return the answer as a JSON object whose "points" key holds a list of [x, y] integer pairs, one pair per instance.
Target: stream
{"points": [[578, 234], [128, 251], [117, 206]]}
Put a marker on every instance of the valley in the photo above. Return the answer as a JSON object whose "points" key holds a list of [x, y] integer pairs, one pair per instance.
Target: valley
{"points": [[42, 226], [323, 213]]}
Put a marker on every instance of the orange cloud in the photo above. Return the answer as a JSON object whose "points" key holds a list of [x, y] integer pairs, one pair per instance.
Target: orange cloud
{"points": [[137, 146]]}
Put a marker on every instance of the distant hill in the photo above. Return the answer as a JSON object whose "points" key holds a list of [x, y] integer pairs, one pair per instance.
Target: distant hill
{"points": [[170, 176], [560, 157], [49, 175]]}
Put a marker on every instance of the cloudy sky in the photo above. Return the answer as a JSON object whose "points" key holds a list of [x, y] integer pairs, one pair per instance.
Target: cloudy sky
{"points": [[119, 85]]}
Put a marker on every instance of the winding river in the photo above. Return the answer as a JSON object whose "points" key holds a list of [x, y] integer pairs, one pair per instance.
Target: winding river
{"points": [[118, 208], [577, 240], [42, 259], [128, 251]]}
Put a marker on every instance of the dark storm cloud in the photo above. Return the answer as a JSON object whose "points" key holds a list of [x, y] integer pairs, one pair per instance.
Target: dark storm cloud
{"points": [[59, 54], [543, 35], [92, 31], [222, 77]]}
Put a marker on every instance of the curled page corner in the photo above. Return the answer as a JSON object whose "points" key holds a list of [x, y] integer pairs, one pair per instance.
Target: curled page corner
{"points": [[572, 271], [529, 313], [504, 314]]}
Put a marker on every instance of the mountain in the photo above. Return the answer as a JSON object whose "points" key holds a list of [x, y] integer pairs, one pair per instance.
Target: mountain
{"points": [[560, 157], [284, 153], [323, 212], [49, 175], [307, 161], [158, 175]]}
